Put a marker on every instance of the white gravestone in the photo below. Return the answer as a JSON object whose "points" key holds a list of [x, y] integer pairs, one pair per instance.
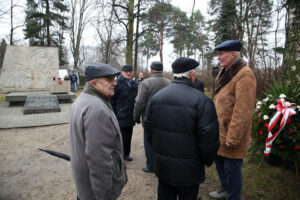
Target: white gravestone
{"points": [[28, 68]]}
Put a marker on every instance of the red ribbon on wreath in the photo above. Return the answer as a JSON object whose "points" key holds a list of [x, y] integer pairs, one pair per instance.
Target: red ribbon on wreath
{"points": [[286, 112]]}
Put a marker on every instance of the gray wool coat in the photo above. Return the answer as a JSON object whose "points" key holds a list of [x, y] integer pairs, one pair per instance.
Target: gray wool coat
{"points": [[146, 90], [96, 149]]}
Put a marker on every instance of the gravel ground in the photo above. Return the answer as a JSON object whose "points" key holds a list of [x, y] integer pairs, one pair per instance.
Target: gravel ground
{"points": [[27, 173]]}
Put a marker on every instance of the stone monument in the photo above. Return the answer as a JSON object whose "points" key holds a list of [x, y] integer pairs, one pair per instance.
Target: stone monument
{"points": [[28, 68]]}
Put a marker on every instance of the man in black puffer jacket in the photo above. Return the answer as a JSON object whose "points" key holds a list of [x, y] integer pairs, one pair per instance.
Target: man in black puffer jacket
{"points": [[182, 126], [123, 105]]}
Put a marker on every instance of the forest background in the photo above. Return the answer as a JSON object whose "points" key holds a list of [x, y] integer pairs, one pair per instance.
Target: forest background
{"points": [[138, 31]]}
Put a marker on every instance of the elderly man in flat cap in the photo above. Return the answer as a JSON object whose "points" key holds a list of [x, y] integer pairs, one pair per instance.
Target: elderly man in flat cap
{"points": [[146, 90], [96, 141], [234, 98], [182, 127], [123, 105]]}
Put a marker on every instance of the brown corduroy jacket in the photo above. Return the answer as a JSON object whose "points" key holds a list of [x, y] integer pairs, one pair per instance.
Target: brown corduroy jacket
{"points": [[234, 104]]}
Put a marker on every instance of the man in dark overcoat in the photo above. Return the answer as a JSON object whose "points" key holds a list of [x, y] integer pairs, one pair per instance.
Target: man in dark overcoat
{"points": [[181, 124], [123, 105]]}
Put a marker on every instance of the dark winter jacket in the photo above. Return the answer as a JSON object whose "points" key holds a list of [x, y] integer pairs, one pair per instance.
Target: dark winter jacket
{"points": [[199, 85], [181, 124], [123, 101], [74, 78]]}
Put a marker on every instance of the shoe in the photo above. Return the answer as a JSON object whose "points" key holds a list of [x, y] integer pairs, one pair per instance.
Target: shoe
{"points": [[128, 158], [218, 194], [147, 170]]}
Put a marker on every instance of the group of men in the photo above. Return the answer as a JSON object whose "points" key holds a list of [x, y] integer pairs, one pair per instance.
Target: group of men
{"points": [[184, 130]]}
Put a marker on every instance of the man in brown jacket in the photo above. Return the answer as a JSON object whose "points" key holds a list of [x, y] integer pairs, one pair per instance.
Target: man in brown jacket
{"points": [[234, 98]]}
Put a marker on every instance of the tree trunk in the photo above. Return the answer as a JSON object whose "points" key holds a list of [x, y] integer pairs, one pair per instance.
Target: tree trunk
{"points": [[129, 37], [137, 38], [11, 42], [191, 30], [161, 42], [48, 23], [291, 57]]}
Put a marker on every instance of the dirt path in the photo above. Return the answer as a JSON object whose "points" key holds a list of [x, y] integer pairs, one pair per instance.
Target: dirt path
{"points": [[27, 173]]}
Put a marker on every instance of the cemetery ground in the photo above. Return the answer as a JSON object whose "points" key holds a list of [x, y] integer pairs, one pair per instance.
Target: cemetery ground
{"points": [[27, 173]]}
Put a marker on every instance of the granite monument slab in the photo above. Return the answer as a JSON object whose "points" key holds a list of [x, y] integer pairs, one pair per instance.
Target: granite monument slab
{"points": [[41, 104]]}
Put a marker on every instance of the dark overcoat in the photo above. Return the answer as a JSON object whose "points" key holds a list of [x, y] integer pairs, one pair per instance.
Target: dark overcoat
{"points": [[123, 101], [181, 123]]}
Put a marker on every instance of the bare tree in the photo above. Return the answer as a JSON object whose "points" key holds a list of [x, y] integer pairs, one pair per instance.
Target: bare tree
{"points": [[3, 9], [12, 27], [81, 14], [278, 20], [105, 29], [191, 30], [137, 35], [127, 20], [257, 23]]}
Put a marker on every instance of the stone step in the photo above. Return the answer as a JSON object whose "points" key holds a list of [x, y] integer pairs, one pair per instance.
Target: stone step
{"points": [[19, 98]]}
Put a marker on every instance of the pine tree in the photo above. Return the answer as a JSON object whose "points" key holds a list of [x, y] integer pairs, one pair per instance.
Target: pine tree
{"points": [[44, 22], [227, 22], [149, 45]]}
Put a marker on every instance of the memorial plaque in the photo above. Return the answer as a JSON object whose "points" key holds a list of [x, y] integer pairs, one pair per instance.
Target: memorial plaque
{"points": [[41, 104]]}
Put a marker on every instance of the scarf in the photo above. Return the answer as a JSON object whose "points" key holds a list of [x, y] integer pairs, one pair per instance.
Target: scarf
{"points": [[226, 75], [89, 89]]}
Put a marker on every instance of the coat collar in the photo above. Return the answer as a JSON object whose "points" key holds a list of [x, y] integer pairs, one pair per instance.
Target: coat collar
{"points": [[226, 75], [183, 80], [89, 89], [157, 74]]}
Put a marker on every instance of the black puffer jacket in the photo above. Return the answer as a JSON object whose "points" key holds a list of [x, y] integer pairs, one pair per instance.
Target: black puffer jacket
{"points": [[182, 126], [123, 101]]}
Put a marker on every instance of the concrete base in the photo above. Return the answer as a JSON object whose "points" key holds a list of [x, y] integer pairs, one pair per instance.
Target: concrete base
{"points": [[66, 97], [41, 104], [19, 98], [60, 87]]}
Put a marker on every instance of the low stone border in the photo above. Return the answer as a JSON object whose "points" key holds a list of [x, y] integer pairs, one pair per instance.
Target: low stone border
{"points": [[13, 117]]}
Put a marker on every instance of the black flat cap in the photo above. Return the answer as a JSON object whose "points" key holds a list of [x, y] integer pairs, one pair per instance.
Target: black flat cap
{"points": [[229, 45], [181, 65], [157, 66], [127, 68], [98, 70]]}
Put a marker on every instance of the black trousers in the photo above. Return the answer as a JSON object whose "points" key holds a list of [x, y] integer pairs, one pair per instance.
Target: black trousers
{"points": [[169, 192], [126, 136], [149, 153]]}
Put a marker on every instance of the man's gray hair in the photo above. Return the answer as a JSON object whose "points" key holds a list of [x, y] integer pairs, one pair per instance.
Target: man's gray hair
{"points": [[238, 54], [184, 74]]}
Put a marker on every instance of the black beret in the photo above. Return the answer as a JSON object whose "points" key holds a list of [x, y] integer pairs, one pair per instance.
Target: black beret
{"points": [[127, 68], [98, 70], [157, 66], [229, 45], [181, 65]]}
